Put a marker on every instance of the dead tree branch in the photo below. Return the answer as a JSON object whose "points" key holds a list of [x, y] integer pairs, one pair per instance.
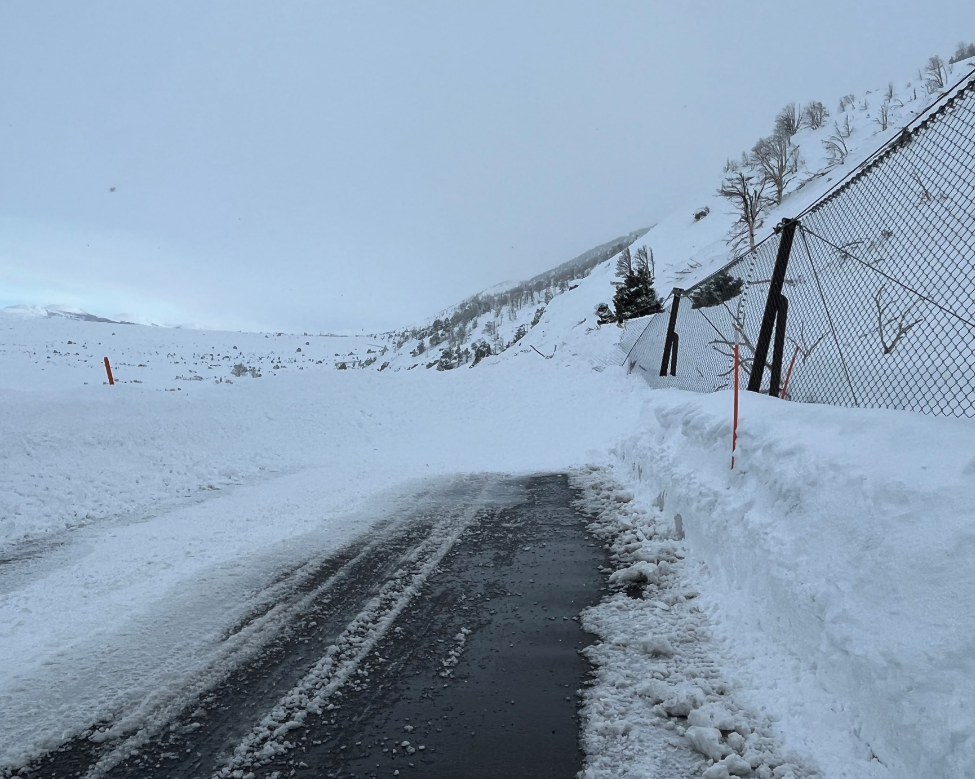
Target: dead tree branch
{"points": [[900, 322]]}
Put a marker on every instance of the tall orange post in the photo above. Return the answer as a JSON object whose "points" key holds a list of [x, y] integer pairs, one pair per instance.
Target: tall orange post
{"points": [[734, 425], [108, 370]]}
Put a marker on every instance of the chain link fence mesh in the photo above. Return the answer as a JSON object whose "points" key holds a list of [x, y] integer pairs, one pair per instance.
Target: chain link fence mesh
{"points": [[880, 287]]}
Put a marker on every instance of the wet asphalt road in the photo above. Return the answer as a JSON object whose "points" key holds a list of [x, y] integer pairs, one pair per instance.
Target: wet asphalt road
{"points": [[476, 677]]}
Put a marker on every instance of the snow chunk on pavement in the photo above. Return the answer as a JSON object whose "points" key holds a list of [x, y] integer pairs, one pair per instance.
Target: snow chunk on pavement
{"points": [[707, 741], [635, 574], [683, 701], [712, 715], [658, 645]]}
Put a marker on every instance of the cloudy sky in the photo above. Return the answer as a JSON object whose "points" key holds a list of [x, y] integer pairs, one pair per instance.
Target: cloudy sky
{"points": [[321, 166]]}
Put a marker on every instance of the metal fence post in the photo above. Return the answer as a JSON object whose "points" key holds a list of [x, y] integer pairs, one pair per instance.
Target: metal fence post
{"points": [[781, 320], [787, 231], [671, 341]]}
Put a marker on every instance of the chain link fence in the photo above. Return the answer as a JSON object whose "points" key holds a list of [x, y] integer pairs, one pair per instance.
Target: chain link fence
{"points": [[867, 299]]}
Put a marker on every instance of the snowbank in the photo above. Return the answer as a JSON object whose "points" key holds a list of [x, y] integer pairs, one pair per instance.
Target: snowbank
{"points": [[836, 567]]}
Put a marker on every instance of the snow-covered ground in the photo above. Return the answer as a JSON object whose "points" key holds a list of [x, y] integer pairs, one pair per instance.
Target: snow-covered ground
{"points": [[834, 563], [138, 522], [814, 619], [831, 565]]}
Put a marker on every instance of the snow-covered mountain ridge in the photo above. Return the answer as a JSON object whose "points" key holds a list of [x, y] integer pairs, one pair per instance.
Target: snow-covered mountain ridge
{"points": [[691, 243]]}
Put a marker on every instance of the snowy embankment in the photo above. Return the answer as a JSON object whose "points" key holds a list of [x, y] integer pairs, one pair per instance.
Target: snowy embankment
{"points": [[834, 563]]}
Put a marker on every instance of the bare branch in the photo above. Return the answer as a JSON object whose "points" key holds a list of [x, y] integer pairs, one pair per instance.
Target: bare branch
{"points": [[805, 348], [901, 324]]}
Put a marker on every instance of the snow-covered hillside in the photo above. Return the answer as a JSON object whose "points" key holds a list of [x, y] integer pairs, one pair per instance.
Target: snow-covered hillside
{"points": [[688, 249]]}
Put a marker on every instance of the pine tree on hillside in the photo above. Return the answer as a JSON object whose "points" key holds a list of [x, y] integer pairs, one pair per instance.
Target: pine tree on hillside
{"points": [[963, 52], [635, 296]]}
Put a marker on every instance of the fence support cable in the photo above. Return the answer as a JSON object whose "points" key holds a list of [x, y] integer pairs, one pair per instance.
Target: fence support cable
{"points": [[829, 318]]}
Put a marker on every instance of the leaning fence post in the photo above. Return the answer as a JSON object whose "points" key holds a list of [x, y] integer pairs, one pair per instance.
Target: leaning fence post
{"points": [[781, 321], [787, 229], [670, 342], [108, 370]]}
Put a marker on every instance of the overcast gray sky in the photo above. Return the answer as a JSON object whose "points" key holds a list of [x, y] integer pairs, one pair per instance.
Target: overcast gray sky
{"points": [[321, 166]]}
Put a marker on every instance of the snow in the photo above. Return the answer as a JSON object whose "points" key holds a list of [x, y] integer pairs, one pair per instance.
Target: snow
{"points": [[138, 524], [664, 702], [834, 567]]}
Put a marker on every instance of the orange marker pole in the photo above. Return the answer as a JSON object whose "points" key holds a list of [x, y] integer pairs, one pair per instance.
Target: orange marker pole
{"points": [[788, 373], [108, 370], [734, 426]]}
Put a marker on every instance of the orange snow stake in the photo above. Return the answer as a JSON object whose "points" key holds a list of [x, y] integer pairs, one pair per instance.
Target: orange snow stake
{"points": [[788, 373], [108, 370], [734, 426]]}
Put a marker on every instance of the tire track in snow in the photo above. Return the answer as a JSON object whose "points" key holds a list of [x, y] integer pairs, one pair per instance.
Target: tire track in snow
{"points": [[312, 693], [314, 604]]}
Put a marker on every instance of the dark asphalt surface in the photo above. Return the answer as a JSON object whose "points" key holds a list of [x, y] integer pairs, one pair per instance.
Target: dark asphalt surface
{"points": [[478, 676]]}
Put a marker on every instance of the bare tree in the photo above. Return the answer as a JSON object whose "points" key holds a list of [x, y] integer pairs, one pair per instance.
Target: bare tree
{"points": [[901, 324], [935, 74], [624, 265], [889, 94], [777, 159], [814, 115], [846, 101], [787, 122], [883, 116], [643, 263], [836, 148], [725, 344], [844, 130], [746, 192]]}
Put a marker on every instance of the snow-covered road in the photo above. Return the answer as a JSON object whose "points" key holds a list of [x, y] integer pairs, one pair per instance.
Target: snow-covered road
{"points": [[446, 638]]}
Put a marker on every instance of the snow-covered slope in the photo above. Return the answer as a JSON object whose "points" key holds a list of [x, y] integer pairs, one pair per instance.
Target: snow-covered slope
{"points": [[687, 250]]}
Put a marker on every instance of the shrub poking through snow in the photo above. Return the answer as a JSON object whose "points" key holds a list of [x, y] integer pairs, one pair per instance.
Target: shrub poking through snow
{"points": [[245, 370]]}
